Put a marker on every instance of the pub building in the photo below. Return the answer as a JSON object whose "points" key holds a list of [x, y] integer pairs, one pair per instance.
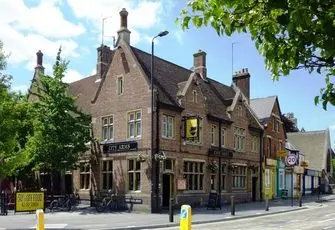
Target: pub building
{"points": [[200, 136]]}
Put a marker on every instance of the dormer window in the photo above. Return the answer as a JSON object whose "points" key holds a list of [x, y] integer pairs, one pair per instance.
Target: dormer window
{"points": [[120, 85], [195, 96]]}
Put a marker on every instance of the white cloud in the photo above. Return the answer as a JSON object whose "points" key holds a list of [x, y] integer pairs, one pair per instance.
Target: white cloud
{"points": [[143, 15], [25, 30], [178, 34], [72, 75], [20, 88]]}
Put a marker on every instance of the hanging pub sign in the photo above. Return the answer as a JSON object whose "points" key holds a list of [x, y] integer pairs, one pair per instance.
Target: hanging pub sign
{"points": [[192, 128], [120, 147]]}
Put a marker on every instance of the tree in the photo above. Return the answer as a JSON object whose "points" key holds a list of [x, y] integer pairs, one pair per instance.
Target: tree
{"points": [[296, 34], [15, 123], [289, 126], [61, 130]]}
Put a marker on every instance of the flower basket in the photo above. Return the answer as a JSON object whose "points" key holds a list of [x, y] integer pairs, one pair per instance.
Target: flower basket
{"points": [[141, 157], [160, 156]]}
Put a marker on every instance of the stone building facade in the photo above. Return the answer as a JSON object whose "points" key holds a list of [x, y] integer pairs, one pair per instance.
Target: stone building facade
{"points": [[205, 137]]}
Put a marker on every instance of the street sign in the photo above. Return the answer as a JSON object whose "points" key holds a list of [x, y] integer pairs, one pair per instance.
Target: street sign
{"points": [[291, 159], [281, 153]]}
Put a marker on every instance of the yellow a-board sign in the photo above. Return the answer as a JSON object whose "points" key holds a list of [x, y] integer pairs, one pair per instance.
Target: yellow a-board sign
{"points": [[29, 201], [185, 217]]}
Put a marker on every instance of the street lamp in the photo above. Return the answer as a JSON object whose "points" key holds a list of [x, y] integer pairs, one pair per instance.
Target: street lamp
{"points": [[156, 168]]}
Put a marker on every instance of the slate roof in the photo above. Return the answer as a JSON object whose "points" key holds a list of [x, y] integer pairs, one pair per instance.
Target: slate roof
{"points": [[171, 78], [314, 145], [84, 90], [263, 107]]}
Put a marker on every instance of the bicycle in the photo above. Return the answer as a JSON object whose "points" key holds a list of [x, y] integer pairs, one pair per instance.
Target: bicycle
{"points": [[111, 202], [61, 203]]}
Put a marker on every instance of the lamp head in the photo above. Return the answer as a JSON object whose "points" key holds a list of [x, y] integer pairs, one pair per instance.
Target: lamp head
{"points": [[163, 33]]}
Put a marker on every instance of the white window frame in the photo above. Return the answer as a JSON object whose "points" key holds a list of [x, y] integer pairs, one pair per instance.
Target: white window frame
{"points": [[195, 96], [214, 135], [134, 174], [239, 177], [108, 171], [223, 176], [255, 144], [136, 123], [223, 137], [109, 127], [120, 89], [195, 171], [168, 126], [239, 139], [85, 183]]}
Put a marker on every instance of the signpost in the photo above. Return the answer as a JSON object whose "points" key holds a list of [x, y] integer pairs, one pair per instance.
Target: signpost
{"points": [[291, 160]]}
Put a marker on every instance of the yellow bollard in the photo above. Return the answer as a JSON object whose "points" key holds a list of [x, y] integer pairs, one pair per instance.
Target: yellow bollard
{"points": [[185, 217], [40, 219]]}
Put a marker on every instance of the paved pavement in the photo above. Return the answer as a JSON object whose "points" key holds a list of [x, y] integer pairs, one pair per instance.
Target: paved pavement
{"points": [[88, 218]]}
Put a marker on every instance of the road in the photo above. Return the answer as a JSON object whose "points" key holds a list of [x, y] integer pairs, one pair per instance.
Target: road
{"points": [[315, 218]]}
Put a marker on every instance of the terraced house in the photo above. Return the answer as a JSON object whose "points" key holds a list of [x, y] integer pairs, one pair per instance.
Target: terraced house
{"points": [[200, 136]]}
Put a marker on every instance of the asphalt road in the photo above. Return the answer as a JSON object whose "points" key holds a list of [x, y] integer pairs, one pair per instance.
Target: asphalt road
{"points": [[314, 218]]}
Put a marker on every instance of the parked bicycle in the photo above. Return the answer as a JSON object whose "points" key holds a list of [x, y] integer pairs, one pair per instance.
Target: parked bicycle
{"points": [[113, 201], [61, 204]]}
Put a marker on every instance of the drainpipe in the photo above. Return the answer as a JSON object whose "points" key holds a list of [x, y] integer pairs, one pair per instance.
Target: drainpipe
{"points": [[220, 162], [261, 166]]}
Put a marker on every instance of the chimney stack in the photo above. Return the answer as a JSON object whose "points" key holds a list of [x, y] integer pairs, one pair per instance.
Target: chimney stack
{"points": [[104, 57], [242, 80], [200, 64], [123, 32]]}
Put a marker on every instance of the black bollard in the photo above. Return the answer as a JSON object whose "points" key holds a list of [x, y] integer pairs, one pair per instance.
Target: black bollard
{"points": [[2, 202], [171, 210], [232, 206], [266, 204], [300, 200]]}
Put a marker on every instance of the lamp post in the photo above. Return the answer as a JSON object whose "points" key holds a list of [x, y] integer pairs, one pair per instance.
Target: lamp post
{"points": [[155, 170]]}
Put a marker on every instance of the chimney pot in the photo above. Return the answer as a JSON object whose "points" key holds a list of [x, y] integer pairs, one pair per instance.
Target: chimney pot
{"points": [[39, 61], [124, 15], [246, 70]]}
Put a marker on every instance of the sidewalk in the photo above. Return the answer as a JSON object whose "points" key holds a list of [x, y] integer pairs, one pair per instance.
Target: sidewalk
{"points": [[88, 218]]}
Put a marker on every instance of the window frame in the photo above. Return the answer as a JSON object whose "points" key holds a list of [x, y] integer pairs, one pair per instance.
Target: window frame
{"points": [[239, 139], [224, 175], [214, 134], [83, 185], [166, 125], [109, 125], [134, 171], [194, 96], [223, 137], [255, 145], [134, 122], [109, 174], [195, 171], [239, 177], [120, 90]]}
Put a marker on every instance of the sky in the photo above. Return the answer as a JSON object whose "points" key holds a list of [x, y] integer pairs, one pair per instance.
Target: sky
{"points": [[76, 25]]}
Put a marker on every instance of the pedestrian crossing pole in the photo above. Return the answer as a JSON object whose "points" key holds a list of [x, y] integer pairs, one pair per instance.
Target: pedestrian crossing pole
{"points": [[40, 219]]}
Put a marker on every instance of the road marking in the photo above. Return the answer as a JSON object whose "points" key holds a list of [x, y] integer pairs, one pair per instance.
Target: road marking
{"points": [[91, 226], [322, 221], [328, 227], [52, 226]]}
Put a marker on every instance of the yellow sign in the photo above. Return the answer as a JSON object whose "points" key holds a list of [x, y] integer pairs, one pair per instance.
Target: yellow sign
{"points": [[29, 201], [185, 217], [281, 153], [304, 164], [191, 128]]}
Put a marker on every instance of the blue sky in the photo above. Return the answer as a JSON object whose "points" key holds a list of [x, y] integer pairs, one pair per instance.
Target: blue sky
{"points": [[30, 25]]}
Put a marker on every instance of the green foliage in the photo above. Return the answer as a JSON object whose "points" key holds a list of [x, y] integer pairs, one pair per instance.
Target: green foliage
{"points": [[60, 129], [15, 124], [297, 34]]}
